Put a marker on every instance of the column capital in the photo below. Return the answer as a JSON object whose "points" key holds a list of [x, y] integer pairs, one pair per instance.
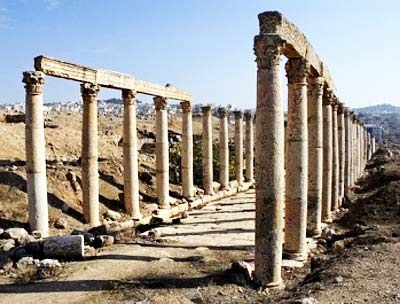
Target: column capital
{"points": [[160, 103], [129, 96], [297, 70], [248, 116], [268, 51], [206, 109], [327, 97], [34, 82], [186, 106], [315, 85], [238, 114], [89, 91], [341, 109], [223, 112], [347, 111]]}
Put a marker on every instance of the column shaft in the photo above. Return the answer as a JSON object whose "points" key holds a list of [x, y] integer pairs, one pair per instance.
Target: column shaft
{"points": [[249, 147], [315, 156], [162, 152], [342, 152], [327, 158], [35, 153], [269, 155], [90, 175], [130, 151], [239, 146], [348, 150], [187, 150], [207, 151], [335, 159], [224, 148]]}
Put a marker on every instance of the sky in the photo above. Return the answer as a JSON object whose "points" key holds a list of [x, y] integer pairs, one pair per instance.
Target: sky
{"points": [[201, 46]]}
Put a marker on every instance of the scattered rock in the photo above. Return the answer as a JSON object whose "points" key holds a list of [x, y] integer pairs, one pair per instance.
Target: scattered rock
{"points": [[327, 233], [338, 246], [152, 234], [103, 241], [17, 234], [25, 261], [244, 269], [338, 279], [49, 263], [112, 215], [309, 300], [7, 245], [61, 223]]}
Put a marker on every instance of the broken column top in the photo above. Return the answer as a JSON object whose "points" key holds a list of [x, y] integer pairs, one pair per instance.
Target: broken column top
{"points": [[275, 26]]}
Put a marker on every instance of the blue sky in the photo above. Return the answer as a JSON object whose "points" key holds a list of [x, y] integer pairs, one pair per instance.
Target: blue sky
{"points": [[203, 46]]}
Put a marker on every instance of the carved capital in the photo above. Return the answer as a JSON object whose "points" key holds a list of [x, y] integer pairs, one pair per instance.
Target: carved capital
{"points": [[297, 70], [160, 103], [34, 82], [248, 116], [316, 85], [327, 97], [206, 109], [129, 96], [238, 114], [223, 112], [186, 106], [268, 52], [340, 108], [89, 91]]}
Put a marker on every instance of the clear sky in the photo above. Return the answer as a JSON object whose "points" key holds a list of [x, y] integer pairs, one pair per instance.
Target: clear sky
{"points": [[203, 46]]}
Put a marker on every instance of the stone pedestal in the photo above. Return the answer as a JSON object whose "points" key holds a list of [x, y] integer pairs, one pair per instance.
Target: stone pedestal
{"points": [[238, 146], [223, 148], [90, 175], [342, 152], [35, 153], [130, 150], [249, 147], [327, 158], [187, 150], [269, 157], [162, 152], [335, 159], [207, 151], [315, 156], [297, 161]]}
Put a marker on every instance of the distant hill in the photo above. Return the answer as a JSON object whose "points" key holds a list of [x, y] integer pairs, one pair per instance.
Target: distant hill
{"points": [[382, 108]]}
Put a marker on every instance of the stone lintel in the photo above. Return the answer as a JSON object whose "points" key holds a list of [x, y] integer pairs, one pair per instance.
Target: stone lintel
{"points": [[109, 79], [297, 45]]}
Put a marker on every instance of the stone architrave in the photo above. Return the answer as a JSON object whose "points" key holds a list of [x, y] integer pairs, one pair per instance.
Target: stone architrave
{"points": [[35, 153], [207, 151], [315, 156], [297, 161], [335, 159], [342, 152], [90, 175], [269, 156], [238, 146], [249, 147], [224, 148], [162, 152], [187, 150], [130, 151], [327, 158]]}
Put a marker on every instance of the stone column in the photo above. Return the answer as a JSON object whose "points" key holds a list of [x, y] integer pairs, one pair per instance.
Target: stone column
{"points": [[327, 158], [35, 151], [239, 146], [347, 164], [359, 142], [90, 174], [187, 150], [369, 146], [335, 159], [249, 147], [354, 167], [207, 151], [315, 157], [130, 150], [162, 152], [224, 148], [342, 151], [297, 161], [269, 157], [373, 145]]}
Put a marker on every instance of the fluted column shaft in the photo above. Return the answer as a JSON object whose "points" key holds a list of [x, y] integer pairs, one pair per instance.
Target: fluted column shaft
{"points": [[315, 156], [35, 153], [269, 156], [162, 152], [187, 150], [239, 146], [297, 161], [90, 175], [327, 158], [130, 151], [207, 151], [223, 148], [249, 147]]}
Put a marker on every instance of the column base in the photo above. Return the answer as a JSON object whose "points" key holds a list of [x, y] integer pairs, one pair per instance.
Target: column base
{"points": [[328, 220], [271, 285], [137, 217], [296, 256]]}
